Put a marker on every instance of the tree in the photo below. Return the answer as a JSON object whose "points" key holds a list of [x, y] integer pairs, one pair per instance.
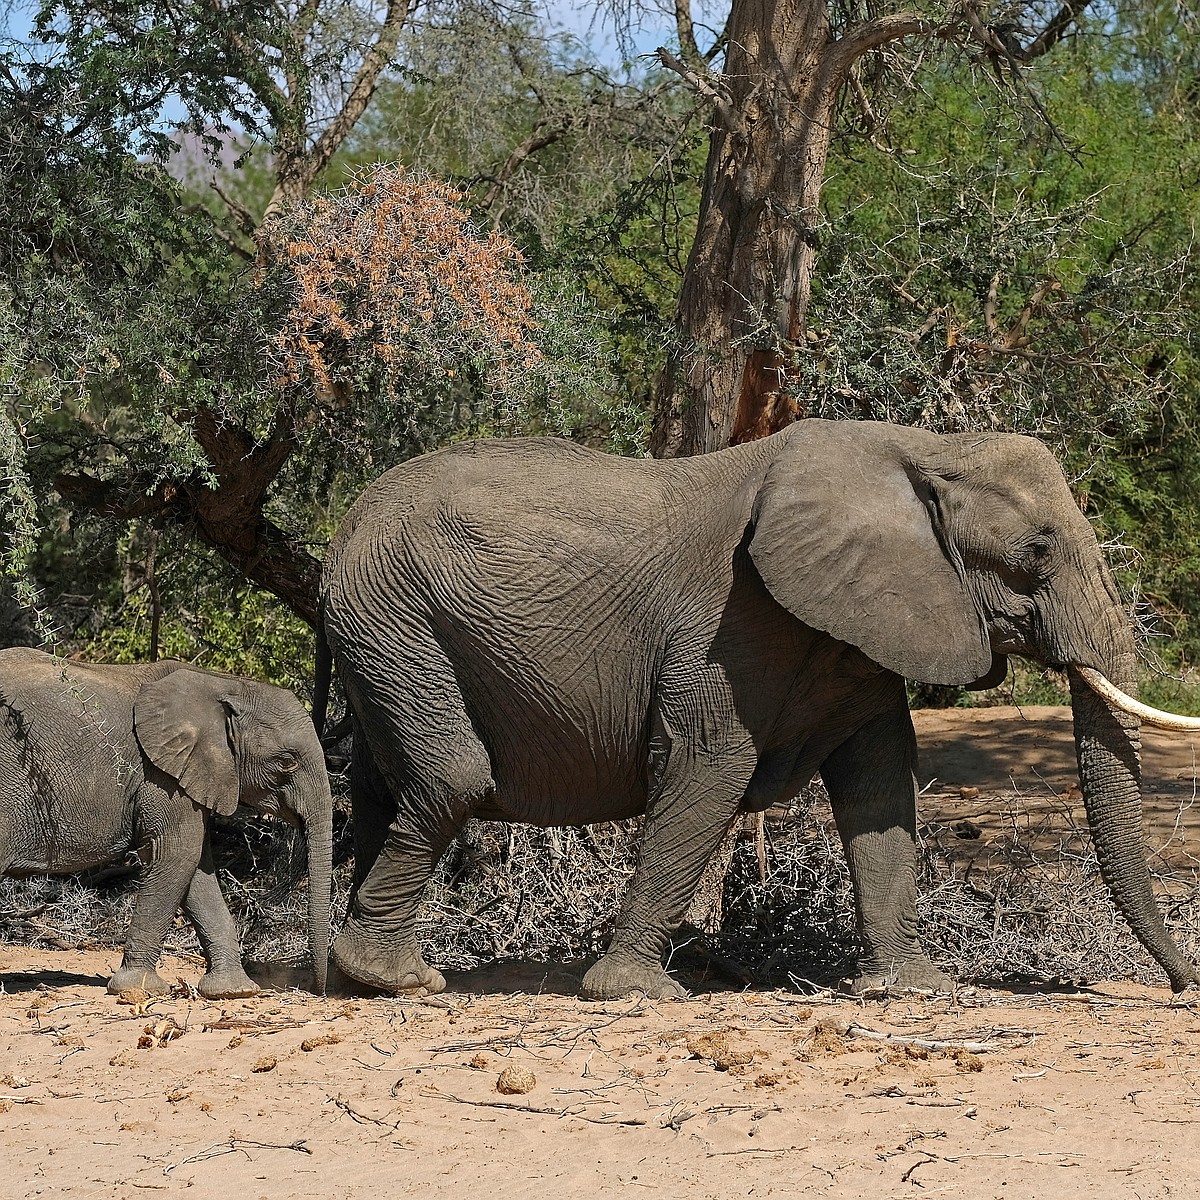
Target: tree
{"points": [[743, 307], [176, 362]]}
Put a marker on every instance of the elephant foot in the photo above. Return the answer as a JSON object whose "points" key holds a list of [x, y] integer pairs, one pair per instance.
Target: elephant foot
{"points": [[146, 979], [232, 983], [610, 979], [386, 967], [913, 974]]}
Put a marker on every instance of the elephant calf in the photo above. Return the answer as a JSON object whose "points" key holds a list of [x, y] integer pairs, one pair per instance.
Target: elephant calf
{"points": [[97, 759]]}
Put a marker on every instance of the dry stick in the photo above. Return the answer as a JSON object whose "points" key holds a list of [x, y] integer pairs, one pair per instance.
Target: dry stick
{"points": [[529, 1108], [923, 1163], [357, 1115], [232, 1145], [254, 1026], [753, 1150], [894, 1039]]}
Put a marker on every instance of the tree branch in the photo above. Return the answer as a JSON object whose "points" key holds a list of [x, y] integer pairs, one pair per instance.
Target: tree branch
{"points": [[530, 146], [685, 31], [707, 86], [374, 61], [1057, 29], [870, 35]]}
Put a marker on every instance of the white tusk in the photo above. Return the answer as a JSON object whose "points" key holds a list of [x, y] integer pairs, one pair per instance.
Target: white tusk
{"points": [[1152, 716]]}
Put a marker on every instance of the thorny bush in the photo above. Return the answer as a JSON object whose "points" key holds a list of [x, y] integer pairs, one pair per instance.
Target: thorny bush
{"points": [[1033, 909]]}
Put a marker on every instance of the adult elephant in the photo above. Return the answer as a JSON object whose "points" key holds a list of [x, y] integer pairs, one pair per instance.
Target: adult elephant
{"points": [[96, 759], [532, 631]]}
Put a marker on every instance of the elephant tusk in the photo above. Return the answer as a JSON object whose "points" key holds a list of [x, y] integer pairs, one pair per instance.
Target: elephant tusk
{"points": [[1151, 716]]}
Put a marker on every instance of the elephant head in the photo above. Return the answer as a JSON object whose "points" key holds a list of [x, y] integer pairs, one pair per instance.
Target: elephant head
{"points": [[939, 556], [230, 741]]}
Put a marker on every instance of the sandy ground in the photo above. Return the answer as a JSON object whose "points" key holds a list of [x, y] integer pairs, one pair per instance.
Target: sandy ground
{"points": [[991, 1093]]}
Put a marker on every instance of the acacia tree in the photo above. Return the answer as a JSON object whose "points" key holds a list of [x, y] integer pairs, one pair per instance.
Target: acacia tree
{"points": [[788, 67], [174, 357]]}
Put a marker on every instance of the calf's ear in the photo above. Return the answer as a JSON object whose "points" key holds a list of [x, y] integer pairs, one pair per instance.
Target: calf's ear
{"points": [[184, 724], [845, 538]]}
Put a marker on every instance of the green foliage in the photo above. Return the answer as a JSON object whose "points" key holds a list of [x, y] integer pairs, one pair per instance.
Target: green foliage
{"points": [[242, 631], [594, 174]]}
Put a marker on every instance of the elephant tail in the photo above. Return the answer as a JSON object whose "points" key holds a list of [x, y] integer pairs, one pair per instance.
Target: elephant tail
{"points": [[323, 672]]}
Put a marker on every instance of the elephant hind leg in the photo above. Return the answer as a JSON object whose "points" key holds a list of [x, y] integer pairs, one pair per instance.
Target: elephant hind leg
{"points": [[173, 854], [377, 944], [427, 772]]}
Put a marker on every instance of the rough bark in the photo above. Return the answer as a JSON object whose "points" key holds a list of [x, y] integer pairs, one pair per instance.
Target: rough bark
{"points": [[746, 287], [228, 517]]}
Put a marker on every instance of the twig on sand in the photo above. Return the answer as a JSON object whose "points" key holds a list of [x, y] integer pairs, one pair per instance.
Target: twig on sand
{"points": [[895, 1039], [254, 1026], [570, 1111], [233, 1145], [362, 1118], [754, 1150]]}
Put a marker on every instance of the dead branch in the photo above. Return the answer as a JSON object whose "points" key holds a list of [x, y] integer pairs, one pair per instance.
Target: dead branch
{"points": [[894, 1039], [530, 146], [710, 88], [360, 1117], [300, 1146], [570, 1111]]}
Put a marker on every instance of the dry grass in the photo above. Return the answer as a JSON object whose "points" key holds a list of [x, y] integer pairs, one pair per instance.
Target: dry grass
{"points": [[1034, 908]]}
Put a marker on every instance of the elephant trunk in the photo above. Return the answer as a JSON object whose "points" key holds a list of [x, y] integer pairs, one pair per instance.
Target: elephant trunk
{"points": [[317, 822], [1107, 745]]}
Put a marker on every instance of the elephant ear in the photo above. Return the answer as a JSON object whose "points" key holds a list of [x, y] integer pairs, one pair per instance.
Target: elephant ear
{"points": [[845, 538], [184, 724]]}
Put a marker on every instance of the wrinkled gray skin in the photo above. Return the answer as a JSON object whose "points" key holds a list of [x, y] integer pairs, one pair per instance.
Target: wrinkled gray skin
{"points": [[533, 631], [97, 759]]}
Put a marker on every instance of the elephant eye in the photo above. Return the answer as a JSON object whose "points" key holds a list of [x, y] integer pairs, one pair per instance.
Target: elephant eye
{"points": [[285, 764], [1037, 551]]}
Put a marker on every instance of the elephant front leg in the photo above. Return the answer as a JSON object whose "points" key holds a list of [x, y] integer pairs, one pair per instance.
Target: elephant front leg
{"points": [[684, 825], [171, 858], [871, 780], [217, 931]]}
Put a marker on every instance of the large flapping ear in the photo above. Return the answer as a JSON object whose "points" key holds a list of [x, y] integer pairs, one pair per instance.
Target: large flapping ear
{"points": [[845, 539], [183, 724]]}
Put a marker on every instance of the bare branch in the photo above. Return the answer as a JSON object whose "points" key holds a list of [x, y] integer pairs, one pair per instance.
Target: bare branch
{"points": [[1057, 28], [531, 145], [363, 88], [708, 86], [870, 35], [240, 213]]}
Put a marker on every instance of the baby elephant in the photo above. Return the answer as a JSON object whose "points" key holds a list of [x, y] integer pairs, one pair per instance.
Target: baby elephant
{"points": [[96, 759]]}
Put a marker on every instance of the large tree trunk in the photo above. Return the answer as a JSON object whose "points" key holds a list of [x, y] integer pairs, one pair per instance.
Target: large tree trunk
{"points": [[746, 287]]}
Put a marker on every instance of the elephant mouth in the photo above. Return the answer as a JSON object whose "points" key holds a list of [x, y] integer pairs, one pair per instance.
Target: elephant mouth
{"points": [[268, 806]]}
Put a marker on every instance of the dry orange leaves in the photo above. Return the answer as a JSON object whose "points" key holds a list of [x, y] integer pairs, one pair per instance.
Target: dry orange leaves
{"points": [[390, 272]]}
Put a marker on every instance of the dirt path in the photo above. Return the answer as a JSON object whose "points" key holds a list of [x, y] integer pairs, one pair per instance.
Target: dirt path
{"points": [[1081, 1093], [1093, 1093], [999, 766]]}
